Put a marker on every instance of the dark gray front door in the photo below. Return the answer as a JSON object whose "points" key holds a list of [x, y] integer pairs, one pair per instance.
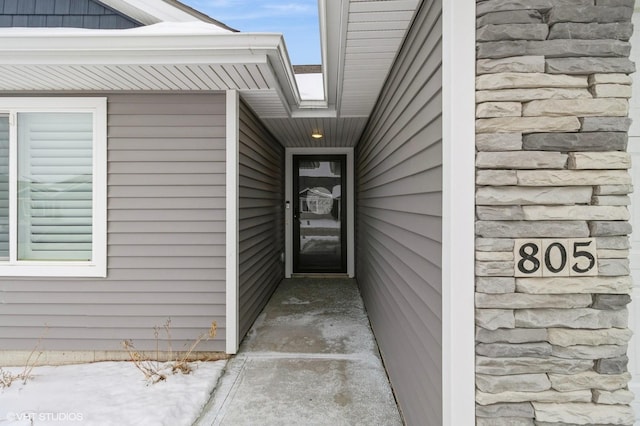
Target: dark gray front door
{"points": [[319, 214]]}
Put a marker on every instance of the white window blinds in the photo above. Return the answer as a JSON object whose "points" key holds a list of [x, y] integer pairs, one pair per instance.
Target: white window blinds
{"points": [[54, 186]]}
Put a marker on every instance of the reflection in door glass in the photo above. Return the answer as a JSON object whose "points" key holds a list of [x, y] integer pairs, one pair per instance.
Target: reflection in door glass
{"points": [[319, 214]]}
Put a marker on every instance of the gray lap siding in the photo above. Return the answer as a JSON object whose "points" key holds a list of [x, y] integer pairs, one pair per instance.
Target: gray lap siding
{"points": [[166, 237], [261, 216], [399, 220]]}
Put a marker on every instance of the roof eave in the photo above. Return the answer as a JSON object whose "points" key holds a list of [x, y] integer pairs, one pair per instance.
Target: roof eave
{"points": [[118, 48]]}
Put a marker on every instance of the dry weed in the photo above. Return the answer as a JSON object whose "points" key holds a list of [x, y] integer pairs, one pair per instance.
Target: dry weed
{"points": [[7, 378], [155, 371]]}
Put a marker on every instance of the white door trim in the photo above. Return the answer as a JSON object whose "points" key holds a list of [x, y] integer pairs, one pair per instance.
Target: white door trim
{"points": [[458, 232], [289, 153]]}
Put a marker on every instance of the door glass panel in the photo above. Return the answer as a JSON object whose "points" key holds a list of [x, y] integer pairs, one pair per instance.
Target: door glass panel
{"points": [[319, 212]]}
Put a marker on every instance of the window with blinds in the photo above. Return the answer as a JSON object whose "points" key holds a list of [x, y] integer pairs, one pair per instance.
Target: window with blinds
{"points": [[53, 187]]}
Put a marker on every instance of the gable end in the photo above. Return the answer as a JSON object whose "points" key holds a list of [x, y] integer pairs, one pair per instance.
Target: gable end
{"points": [[90, 14]]}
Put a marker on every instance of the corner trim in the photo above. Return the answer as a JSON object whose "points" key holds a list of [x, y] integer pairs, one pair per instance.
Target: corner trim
{"points": [[232, 246], [458, 109]]}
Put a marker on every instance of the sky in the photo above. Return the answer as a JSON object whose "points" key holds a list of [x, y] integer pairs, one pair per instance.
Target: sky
{"points": [[296, 19]]}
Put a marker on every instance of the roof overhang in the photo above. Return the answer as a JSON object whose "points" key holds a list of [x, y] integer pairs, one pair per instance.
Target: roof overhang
{"points": [[359, 42], [160, 57]]}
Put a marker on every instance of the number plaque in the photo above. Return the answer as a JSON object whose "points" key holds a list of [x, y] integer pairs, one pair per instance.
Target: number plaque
{"points": [[555, 258]]}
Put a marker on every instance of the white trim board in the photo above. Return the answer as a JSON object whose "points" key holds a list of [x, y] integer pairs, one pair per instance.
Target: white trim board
{"points": [[633, 148], [289, 153], [458, 110], [232, 236]]}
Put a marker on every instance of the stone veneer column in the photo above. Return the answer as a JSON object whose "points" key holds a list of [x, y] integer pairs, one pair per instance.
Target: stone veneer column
{"points": [[552, 94]]}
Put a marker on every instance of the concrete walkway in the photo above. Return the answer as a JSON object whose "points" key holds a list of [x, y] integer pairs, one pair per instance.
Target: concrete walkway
{"points": [[309, 359]]}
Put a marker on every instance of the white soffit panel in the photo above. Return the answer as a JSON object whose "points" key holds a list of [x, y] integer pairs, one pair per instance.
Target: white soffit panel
{"points": [[296, 132], [374, 33], [133, 77], [265, 103]]}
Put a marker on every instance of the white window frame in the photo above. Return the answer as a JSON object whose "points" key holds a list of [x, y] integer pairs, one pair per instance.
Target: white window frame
{"points": [[97, 267]]}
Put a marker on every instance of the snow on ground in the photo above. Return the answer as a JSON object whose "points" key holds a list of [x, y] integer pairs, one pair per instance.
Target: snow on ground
{"points": [[106, 393], [311, 86]]}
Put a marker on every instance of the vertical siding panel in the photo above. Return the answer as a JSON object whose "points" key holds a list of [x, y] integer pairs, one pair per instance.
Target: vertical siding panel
{"points": [[166, 237], [261, 216], [399, 212]]}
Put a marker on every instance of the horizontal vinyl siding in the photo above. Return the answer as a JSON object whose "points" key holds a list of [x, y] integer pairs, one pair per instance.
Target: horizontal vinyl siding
{"points": [[399, 215], [261, 182], [166, 237]]}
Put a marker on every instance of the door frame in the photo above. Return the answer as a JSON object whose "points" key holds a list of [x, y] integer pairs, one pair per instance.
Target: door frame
{"points": [[350, 229]]}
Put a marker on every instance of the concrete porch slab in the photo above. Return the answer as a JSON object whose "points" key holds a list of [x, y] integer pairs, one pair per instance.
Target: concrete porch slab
{"points": [[310, 358]]}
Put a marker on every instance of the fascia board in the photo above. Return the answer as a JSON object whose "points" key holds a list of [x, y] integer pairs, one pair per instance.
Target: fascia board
{"points": [[310, 106], [322, 16], [37, 40], [281, 65], [333, 20], [166, 49]]}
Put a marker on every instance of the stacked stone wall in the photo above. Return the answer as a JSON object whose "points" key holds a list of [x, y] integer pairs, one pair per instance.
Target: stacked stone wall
{"points": [[552, 91]]}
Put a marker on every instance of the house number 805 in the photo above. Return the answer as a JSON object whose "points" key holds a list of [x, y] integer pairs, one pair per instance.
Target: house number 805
{"points": [[551, 257]]}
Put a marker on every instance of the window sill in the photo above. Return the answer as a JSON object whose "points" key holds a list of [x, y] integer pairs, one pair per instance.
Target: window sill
{"points": [[53, 269]]}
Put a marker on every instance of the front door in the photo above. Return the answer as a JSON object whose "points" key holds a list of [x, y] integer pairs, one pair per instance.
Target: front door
{"points": [[319, 214]]}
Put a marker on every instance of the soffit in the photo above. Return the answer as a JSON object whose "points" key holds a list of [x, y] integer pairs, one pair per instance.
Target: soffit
{"points": [[160, 57], [374, 33], [337, 131], [360, 42], [147, 77]]}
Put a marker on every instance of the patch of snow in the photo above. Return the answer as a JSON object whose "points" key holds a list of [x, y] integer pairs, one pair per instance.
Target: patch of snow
{"points": [[169, 28], [311, 86], [320, 223], [295, 301], [105, 394], [321, 169]]}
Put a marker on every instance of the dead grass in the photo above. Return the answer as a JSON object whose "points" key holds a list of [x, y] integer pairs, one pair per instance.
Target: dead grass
{"points": [[7, 378], [156, 371]]}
